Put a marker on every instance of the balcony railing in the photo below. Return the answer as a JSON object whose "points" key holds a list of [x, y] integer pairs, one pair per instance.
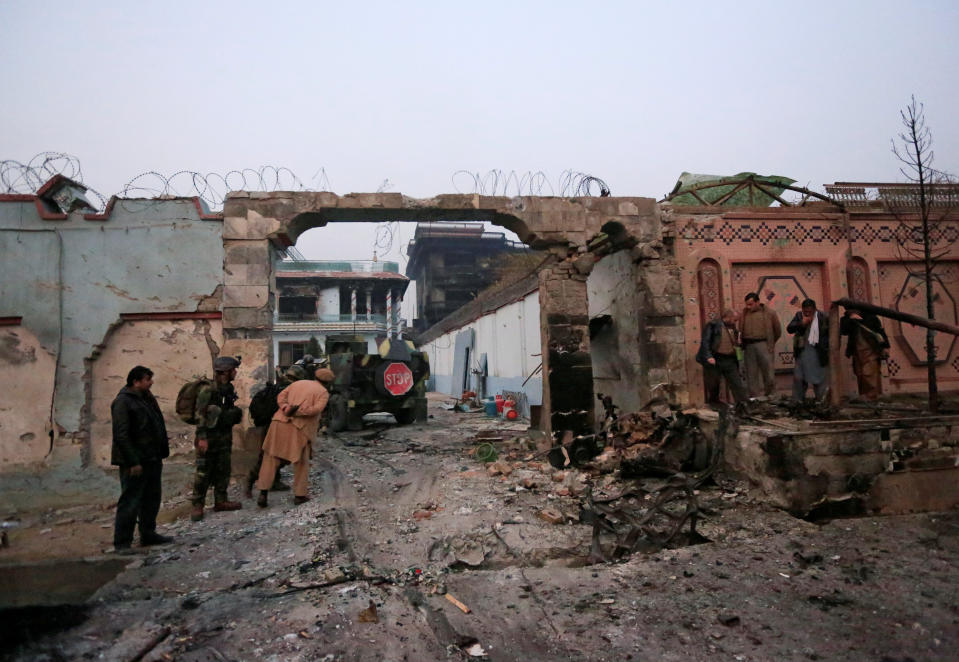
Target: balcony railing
{"points": [[359, 266], [347, 318]]}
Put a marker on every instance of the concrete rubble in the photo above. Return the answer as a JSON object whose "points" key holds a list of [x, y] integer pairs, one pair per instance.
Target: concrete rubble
{"points": [[413, 548]]}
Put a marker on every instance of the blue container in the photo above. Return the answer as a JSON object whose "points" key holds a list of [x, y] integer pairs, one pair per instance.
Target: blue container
{"points": [[489, 404]]}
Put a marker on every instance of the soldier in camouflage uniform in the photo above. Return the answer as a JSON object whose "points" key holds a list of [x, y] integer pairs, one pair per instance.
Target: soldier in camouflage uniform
{"points": [[217, 413]]}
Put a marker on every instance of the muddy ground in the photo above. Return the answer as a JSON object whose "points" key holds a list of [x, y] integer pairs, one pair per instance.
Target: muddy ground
{"points": [[402, 516]]}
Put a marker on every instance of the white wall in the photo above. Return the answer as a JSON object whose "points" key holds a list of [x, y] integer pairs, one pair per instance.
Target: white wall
{"points": [[329, 302], [510, 338]]}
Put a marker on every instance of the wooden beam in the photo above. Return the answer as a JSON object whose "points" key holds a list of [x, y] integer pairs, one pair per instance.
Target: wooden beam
{"points": [[896, 315]]}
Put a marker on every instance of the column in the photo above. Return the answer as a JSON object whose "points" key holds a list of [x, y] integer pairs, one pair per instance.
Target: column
{"points": [[399, 316], [389, 313], [369, 304], [353, 304], [568, 402]]}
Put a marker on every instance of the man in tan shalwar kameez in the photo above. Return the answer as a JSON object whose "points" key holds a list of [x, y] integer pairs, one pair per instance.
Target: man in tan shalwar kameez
{"points": [[292, 431]]}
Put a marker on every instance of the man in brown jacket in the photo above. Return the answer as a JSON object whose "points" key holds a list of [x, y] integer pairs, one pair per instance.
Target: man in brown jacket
{"points": [[760, 329], [292, 431]]}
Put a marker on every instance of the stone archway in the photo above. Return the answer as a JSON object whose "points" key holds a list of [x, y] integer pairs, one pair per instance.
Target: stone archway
{"points": [[574, 230]]}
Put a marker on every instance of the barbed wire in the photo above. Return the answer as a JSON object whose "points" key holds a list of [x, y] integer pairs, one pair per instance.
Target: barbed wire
{"points": [[213, 187], [26, 178], [571, 183]]}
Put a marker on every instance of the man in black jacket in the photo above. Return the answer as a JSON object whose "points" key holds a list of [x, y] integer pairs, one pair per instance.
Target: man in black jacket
{"points": [[717, 354], [139, 445]]}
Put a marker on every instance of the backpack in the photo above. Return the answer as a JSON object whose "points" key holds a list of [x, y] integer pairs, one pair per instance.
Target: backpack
{"points": [[186, 399], [263, 404]]}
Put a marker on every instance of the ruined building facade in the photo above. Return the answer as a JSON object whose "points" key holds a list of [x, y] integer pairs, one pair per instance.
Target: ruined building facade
{"points": [[84, 297], [451, 263], [356, 302], [621, 296]]}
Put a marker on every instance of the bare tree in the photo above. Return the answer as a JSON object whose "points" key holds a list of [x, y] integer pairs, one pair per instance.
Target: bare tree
{"points": [[922, 207]]}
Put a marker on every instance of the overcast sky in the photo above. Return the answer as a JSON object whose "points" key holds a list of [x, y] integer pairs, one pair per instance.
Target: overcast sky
{"points": [[411, 92]]}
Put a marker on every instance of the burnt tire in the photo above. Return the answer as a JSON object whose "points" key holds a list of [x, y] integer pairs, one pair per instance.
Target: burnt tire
{"points": [[339, 413]]}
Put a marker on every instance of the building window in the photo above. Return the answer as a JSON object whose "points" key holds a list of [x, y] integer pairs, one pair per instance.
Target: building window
{"points": [[290, 353], [300, 307]]}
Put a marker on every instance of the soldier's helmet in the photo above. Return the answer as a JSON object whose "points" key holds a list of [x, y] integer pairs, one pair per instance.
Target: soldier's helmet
{"points": [[295, 372], [225, 364]]}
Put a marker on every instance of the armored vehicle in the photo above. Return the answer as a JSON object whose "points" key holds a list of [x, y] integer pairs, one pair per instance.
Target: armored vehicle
{"points": [[392, 380]]}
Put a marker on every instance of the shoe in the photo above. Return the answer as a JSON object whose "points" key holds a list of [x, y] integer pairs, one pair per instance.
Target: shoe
{"points": [[123, 550], [298, 500], [197, 514], [279, 486], [261, 500], [155, 539], [248, 492], [227, 505]]}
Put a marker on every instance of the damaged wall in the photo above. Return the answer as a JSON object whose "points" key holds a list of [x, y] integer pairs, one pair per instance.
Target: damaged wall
{"points": [[174, 349], [879, 469], [615, 327], [71, 276], [570, 228], [27, 371]]}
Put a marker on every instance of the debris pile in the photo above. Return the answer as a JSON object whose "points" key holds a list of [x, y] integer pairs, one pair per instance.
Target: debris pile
{"points": [[640, 520], [657, 441], [635, 482]]}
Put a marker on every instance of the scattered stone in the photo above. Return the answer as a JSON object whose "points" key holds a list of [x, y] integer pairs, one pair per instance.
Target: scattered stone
{"points": [[369, 615], [499, 467], [551, 515]]}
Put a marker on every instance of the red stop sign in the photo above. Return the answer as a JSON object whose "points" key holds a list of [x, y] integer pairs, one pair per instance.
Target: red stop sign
{"points": [[397, 378]]}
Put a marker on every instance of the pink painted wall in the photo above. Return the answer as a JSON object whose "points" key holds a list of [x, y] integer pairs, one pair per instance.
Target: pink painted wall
{"points": [[788, 254]]}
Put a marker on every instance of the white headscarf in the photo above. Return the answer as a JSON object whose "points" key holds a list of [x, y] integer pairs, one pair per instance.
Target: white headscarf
{"points": [[813, 337]]}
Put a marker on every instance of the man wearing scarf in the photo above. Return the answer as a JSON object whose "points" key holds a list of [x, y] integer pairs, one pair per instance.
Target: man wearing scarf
{"points": [[291, 434], [810, 329]]}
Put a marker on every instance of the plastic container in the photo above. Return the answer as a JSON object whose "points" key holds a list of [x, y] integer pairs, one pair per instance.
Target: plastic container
{"points": [[489, 404], [499, 403]]}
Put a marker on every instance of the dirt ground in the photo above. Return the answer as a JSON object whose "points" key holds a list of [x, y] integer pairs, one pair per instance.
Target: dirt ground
{"points": [[403, 517]]}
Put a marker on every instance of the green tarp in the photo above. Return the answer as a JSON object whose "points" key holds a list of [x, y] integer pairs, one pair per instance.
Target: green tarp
{"points": [[749, 196]]}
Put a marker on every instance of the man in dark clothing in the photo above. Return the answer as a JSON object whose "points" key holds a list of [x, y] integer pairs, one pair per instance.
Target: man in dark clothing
{"points": [[217, 413], [866, 346], [717, 355], [262, 407], [139, 445], [810, 329]]}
